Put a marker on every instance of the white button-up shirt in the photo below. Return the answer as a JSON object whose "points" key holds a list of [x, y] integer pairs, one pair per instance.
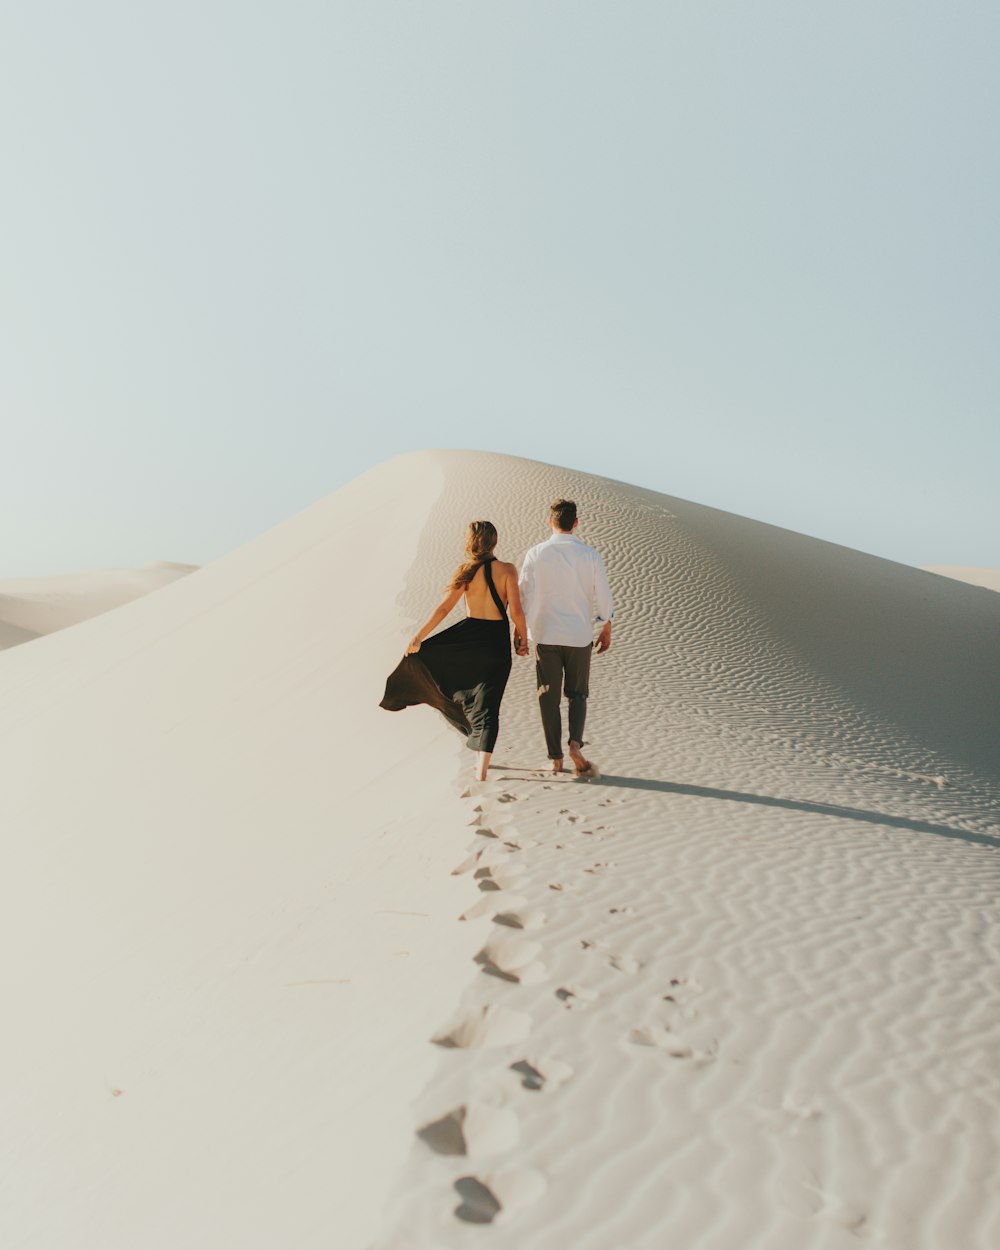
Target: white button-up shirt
{"points": [[564, 589]]}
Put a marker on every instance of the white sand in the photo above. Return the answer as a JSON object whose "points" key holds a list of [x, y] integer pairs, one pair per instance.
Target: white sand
{"points": [[740, 992], [987, 578], [33, 606]]}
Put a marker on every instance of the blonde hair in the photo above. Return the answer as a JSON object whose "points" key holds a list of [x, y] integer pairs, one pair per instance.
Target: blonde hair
{"points": [[480, 540]]}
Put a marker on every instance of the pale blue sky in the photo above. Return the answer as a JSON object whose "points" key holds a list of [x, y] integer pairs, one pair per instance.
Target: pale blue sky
{"points": [[746, 254]]}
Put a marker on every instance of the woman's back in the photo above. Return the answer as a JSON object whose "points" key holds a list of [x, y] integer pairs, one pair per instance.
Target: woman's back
{"points": [[463, 670], [478, 600]]}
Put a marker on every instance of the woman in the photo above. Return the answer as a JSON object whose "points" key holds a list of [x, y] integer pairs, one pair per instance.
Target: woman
{"points": [[463, 670]]}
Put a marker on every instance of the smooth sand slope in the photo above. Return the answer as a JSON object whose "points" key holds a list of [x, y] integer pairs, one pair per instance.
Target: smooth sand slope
{"points": [[226, 910], [989, 579], [33, 606], [740, 992]]}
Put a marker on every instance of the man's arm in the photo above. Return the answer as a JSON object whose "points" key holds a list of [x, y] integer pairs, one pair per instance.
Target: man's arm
{"points": [[526, 587], [517, 615], [604, 604], [526, 582]]}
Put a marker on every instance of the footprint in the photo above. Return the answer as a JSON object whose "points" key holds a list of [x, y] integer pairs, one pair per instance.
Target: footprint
{"points": [[487, 881], [484, 1198], [445, 1136], [507, 798], [478, 910], [621, 963], [661, 1038], [507, 873], [531, 1078], [484, 1026], [570, 994], [536, 1074], [681, 989], [473, 1128], [621, 911], [490, 853], [582, 886], [487, 905], [530, 919], [467, 865], [511, 959], [479, 1204]]}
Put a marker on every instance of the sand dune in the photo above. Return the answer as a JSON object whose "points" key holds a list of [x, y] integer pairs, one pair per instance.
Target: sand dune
{"points": [[33, 606], [279, 976], [989, 579]]}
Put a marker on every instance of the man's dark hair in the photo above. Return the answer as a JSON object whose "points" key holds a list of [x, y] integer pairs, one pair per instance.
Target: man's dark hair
{"points": [[564, 513]]}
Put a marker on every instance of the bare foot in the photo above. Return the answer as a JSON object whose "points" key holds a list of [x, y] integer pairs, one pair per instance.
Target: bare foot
{"points": [[481, 765], [580, 762], [555, 766]]}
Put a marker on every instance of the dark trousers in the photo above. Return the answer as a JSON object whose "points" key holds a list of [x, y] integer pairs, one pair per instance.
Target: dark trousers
{"points": [[556, 668]]}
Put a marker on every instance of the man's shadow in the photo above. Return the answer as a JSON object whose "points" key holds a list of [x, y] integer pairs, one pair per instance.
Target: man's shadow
{"points": [[764, 800]]}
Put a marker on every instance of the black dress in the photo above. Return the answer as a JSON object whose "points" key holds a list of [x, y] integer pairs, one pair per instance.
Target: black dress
{"points": [[461, 671]]}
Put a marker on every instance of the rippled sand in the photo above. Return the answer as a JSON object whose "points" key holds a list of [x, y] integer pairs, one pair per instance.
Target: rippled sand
{"points": [[277, 974]]}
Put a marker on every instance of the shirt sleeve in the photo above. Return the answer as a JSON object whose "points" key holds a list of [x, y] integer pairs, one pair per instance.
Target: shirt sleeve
{"points": [[602, 592], [526, 582]]}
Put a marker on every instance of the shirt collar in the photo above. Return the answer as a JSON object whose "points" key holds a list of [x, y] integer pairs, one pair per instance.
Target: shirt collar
{"points": [[561, 537]]}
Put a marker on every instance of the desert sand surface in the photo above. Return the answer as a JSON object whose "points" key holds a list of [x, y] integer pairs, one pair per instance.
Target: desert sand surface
{"points": [[33, 606], [989, 579], [277, 974]]}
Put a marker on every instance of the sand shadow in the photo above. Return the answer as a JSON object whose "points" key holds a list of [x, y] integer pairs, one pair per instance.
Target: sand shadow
{"points": [[797, 805], [803, 805]]}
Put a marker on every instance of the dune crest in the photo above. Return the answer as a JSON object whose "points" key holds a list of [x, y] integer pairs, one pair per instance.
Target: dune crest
{"points": [[988, 579], [31, 607], [731, 994]]}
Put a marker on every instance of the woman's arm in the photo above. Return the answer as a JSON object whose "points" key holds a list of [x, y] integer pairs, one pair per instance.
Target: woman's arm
{"points": [[517, 612], [435, 619]]}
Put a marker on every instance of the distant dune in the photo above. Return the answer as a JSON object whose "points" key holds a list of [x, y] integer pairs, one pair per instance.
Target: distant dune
{"points": [[33, 606], [988, 578], [739, 992]]}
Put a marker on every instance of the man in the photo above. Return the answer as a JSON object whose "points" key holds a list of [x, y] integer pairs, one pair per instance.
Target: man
{"points": [[564, 589]]}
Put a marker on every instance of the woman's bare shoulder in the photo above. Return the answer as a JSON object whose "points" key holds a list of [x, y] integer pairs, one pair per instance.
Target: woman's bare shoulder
{"points": [[508, 570]]}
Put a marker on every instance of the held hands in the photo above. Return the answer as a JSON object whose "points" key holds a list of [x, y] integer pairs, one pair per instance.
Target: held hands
{"points": [[603, 642], [414, 646], [520, 646]]}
